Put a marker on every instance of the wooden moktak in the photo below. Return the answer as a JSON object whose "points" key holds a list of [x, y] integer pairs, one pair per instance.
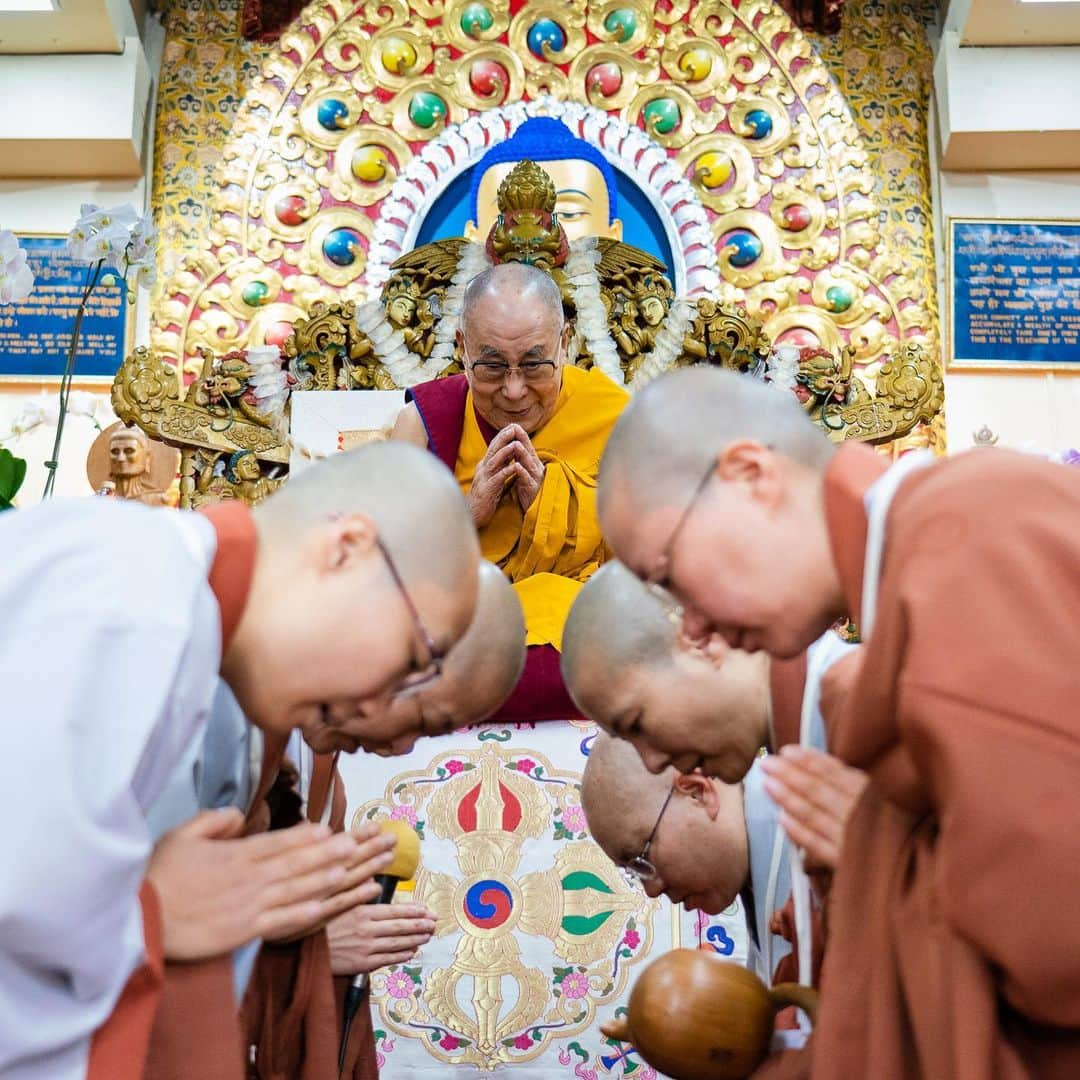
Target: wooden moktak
{"points": [[693, 1016]]}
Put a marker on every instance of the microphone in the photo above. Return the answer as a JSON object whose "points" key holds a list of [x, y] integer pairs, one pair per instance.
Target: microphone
{"points": [[406, 860]]}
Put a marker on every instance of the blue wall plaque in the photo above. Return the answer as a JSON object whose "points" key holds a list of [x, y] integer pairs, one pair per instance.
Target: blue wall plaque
{"points": [[35, 334], [1015, 294]]}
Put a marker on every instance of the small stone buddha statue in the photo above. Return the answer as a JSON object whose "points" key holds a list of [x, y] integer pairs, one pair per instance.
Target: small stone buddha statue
{"points": [[131, 467]]}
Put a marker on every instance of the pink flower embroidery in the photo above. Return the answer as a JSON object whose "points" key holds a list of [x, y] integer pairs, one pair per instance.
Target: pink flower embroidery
{"points": [[526, 765], [454, 767], [632, 939], [404, 813], [448, 1042], [523, 1042], [573, 819], [575, 985], [399, 985]]}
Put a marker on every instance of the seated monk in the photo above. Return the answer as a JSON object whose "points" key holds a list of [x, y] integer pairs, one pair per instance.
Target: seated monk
{"points": [[524, 432]]}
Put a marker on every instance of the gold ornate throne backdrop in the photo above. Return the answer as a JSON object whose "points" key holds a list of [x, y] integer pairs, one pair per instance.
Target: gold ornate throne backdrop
{"points": [[275, 176]]}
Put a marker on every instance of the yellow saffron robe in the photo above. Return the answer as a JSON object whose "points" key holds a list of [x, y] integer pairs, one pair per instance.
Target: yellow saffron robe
{"points": [[552, 549]]}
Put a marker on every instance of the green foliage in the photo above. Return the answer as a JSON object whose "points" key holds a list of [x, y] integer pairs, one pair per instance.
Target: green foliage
{"points": [[12, 474]]}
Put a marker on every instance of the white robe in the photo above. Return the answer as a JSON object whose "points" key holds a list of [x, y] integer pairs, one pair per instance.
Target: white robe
{"points": [[110, 646], [219, 770]]}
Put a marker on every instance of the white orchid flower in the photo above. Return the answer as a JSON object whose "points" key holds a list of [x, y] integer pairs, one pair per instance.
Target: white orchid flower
{"points": [[16, 277]]}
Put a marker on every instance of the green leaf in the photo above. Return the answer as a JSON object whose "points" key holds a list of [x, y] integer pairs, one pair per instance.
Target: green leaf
{"points": [[12, 474]]}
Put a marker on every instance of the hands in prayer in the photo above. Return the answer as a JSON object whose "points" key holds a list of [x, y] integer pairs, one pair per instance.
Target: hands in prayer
{"points": [[377, 935], [816, 793], [510, 459], [219, 889]]}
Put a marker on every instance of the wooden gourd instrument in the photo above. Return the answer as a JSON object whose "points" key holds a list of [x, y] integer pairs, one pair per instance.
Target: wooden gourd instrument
{"points": [[693, 1016]]}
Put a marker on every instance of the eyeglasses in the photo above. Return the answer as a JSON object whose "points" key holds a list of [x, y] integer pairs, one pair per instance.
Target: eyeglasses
{"points": [[534, 372], [658, 579], [639, 866], [414, 680]]}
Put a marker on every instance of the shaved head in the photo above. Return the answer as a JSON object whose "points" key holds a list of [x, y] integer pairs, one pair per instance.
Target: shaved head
{"points": [[676, 425], [485, 665], [619, 797], [712, 485], [699, 848], [615, 623], [674, 703], [413, 500], [478, 675], [510, 283], [364, 576]]}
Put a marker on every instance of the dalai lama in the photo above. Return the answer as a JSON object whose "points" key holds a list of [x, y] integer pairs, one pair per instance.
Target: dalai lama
{"points": [[524, 433]]}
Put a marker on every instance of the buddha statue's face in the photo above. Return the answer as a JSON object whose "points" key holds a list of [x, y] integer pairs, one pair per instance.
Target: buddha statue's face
{"points": [[247, 468], [128, 456], [652, 310], [400, 310], [581, 199]]}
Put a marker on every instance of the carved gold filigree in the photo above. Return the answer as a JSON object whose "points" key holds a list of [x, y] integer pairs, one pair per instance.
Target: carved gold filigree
{"points": [[724, 336], [458, 74], [644, 33], [211, 476], [693, 119], [213, 422], [368, 162], [450, 31], [683, 56], [635, 72]]}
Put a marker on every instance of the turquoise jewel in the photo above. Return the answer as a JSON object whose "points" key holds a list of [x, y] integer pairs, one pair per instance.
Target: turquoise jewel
{"points": [[255, 293], [661, 115], [332, 114], [341, 245], [745, 248], [476, 19], [426, 109], [545, 32], [622, 23], [839, 297], [760, 124]]}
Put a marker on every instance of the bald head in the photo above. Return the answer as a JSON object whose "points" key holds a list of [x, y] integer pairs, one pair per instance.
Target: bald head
{"points": [[507, 284], [485, 665], [414, 501], [675, 426], [620, 797], [615, 623]]}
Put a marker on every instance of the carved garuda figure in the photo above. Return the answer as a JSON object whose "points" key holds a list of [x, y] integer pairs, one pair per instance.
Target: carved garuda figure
{"points": [[626, 317]]}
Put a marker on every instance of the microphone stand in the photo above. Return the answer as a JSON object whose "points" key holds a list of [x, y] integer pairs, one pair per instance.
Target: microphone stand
{"points": [[358, 988]]}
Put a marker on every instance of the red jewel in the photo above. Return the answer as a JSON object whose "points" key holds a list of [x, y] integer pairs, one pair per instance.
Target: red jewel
{"points": [[290, 210], [795, 217], [488, 78]]}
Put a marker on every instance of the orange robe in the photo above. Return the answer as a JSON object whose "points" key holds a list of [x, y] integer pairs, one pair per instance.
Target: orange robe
{"points": [[550, 550], [955, 946]]}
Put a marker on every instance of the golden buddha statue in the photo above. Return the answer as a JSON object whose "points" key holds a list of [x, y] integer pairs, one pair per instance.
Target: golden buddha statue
{"points": [[560, 216], [582, 180]]}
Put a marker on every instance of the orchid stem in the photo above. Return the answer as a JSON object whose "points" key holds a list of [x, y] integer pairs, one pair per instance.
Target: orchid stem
{"points": [[93, 274]]}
